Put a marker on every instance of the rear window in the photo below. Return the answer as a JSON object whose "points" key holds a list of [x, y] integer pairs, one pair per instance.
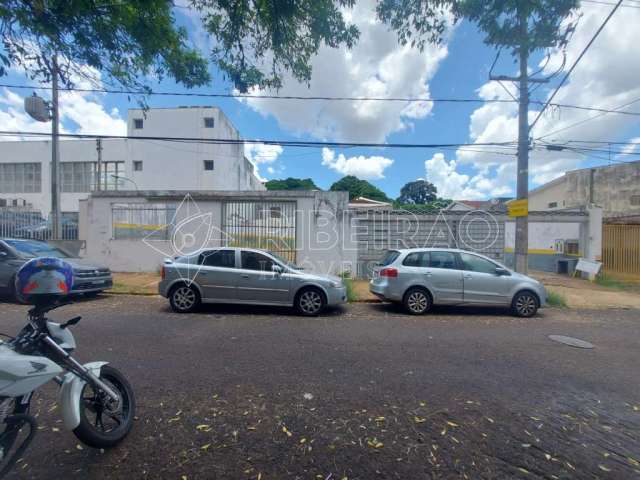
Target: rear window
{"points": [[389, 257], [442, 260]]}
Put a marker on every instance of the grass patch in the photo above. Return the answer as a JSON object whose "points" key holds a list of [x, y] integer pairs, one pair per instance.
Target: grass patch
{"points": [[348, 282], [556, 299], [119, 287], [605, 281]]}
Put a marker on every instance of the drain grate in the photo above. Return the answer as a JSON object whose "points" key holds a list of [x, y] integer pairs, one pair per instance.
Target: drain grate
{"points": [[572, 342]]}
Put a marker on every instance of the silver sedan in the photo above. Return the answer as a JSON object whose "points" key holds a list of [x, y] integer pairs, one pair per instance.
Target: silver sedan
{"points": [[247, 276], [420, 278]]}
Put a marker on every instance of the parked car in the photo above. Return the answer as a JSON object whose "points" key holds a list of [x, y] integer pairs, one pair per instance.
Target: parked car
{"points": [[246, 276], [420, 278], [42, 230], [88, 277]]}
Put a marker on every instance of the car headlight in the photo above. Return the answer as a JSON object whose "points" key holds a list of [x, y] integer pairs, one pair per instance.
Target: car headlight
{"points": [[335, 284]]}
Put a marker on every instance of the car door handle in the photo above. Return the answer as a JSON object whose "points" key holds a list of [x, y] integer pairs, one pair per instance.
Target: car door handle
{"points": [[467, 275], [245, 275], [428, 274]]}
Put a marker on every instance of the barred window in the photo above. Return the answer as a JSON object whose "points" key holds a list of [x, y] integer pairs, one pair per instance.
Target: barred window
{"points": [[20, 177], [142, 221]]}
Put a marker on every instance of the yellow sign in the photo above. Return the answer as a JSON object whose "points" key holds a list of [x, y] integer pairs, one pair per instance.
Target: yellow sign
{"points": [[518, 208]]}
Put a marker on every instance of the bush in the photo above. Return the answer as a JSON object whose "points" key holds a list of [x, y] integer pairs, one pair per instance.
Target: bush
{"points": [[348, 282], [556, 299]]}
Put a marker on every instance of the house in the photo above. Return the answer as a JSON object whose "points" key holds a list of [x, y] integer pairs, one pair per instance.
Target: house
{"points": [[615, 188], [130, 164], [364, 203]]}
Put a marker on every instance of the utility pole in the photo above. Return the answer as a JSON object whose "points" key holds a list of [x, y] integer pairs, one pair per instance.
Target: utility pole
{"points": [[99, 169], [521, 249], [55, 154], [522, 179]]}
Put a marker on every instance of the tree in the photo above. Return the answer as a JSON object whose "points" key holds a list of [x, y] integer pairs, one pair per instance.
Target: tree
{"points": [[519, 26], [257, 41], [359, 188], [124, 40], [418, 192], [291, 184]]}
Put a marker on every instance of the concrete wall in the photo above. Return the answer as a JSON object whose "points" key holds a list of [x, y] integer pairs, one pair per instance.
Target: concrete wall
{"points": [[165, 165], [616, 188], [324, 241]]}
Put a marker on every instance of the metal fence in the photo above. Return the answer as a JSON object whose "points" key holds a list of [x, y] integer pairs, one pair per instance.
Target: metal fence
{"points": [[135, 221], [265, 225], [25, 222], [621, 249]]}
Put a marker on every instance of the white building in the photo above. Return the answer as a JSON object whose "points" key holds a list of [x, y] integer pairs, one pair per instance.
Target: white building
{"points": [[130, 164]]}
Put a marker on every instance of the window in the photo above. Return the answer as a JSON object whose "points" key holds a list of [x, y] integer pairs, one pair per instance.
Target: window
{"points": [[553, 205], [109, 172], [137, 165], [572, 247], [219, 258], [634, 200], [20, 177], [256, 261], [473, 263], [417, 259], [442, 260], [138, 123], [208, 122], [77, 176], [208, 165], [389, 257]]}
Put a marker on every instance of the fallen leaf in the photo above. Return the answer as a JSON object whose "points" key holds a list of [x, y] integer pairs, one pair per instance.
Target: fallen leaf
{"points": [[452, 424], [489, 419], [523, 470], [205, 447], [204, 427], [284, 429], [603, 468], [418, 419], [375, 443], [379, 419], [303, 440]]}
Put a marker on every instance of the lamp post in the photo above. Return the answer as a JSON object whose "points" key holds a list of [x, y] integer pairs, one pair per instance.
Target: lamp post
{"points": [[120, 177]]}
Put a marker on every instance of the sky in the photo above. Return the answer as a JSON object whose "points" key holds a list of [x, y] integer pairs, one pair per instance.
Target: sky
{"points": [[606, 77]]}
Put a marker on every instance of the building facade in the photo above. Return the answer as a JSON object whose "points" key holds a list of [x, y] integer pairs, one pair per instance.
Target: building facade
{"points": [[615, 188], [131, 164]]}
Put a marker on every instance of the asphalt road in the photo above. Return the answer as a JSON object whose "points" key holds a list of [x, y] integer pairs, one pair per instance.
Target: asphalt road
{"points": [[360, 393]]}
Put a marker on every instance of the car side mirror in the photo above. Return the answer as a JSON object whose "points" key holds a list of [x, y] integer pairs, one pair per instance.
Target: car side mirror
{"points": [[502, 271], [276, 269]]}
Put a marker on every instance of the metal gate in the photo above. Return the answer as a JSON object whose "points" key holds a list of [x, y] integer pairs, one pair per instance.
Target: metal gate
{"points": [[261, 224], [621, 249]]}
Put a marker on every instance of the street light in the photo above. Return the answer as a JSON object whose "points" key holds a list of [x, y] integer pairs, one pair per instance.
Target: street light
{"points": [[120, 177]]}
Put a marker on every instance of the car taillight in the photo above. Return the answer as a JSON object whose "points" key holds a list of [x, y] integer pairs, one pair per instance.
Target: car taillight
{"points": [[389, 272], [162, 274]]}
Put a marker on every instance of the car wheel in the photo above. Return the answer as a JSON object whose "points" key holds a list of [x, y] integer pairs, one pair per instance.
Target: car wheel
{"points": [[310, 302], [525, 304], [184, 299], [417, 301]]}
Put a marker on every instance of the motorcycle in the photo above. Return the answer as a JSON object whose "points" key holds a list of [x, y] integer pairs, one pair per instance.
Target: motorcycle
{"points": [[96, 400]]}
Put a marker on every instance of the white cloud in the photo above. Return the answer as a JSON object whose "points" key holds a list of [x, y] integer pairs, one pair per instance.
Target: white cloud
{"points": [[631, 147], [365, 168], [80, 112], [376, 67], [260, 153], [605, 77]]}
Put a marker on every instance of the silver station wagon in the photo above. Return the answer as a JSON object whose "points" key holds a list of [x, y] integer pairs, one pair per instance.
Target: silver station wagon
{"points": [[420, 278], [247, 276]]}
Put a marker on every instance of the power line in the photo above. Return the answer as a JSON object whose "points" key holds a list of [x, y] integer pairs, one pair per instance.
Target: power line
{"points": [[318, 98], [566, 76], [588, 119], [285, 143], [600, 2]]}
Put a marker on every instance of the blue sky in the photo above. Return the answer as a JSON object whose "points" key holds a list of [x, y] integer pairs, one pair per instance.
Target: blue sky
{"points": [[606, 77]]}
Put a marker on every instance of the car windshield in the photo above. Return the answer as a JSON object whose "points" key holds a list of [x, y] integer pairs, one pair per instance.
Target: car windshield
{"points": [[285, 262], [30, 248]]}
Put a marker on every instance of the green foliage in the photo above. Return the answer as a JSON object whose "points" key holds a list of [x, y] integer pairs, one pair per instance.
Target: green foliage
{"points": [[431, 207], [424, 22], [348, 283], [359, 188], [291, 184], [418, 192], [125, 40], [609, 282], [556, 299], [257, 41]]}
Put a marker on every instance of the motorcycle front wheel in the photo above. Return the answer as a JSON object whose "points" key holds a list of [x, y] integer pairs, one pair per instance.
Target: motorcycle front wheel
{"points": [[103, 422]]}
